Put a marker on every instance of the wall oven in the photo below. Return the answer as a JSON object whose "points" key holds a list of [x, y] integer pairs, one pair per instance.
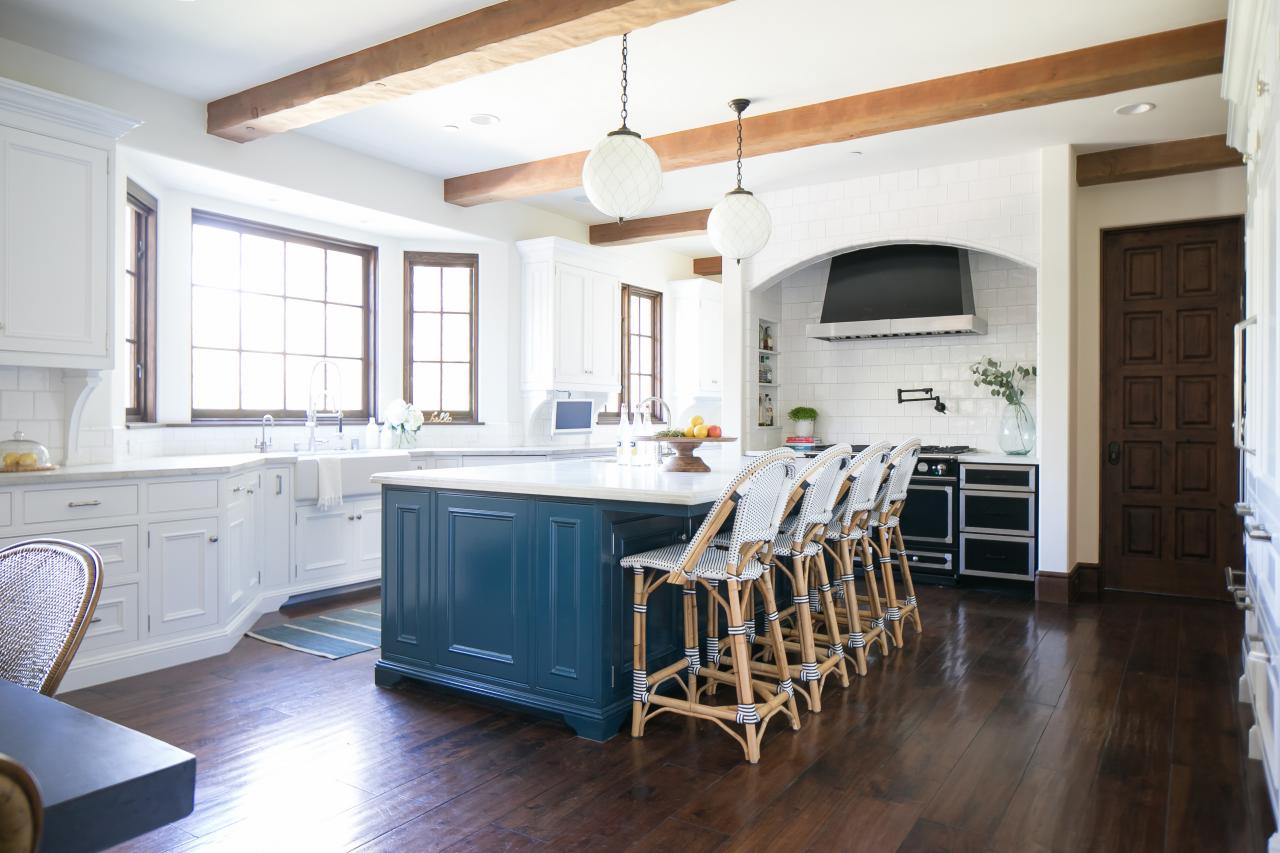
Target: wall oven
{"points": [[929, 519], [998, 521]]}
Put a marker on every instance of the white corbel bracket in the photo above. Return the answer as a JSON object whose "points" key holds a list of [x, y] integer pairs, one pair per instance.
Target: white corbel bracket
{"points": [[77, 386]]}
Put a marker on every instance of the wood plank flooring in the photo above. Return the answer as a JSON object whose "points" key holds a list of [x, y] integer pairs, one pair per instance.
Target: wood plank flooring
{"points": [[1007, 726]]}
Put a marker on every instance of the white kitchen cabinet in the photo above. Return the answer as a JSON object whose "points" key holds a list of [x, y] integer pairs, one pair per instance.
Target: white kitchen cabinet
{"points": [[572, 317], [696, 336], [275, 528], [339, 545], [241, 571], [182, 575], [56, 229], [368, 538], [710, 340]]}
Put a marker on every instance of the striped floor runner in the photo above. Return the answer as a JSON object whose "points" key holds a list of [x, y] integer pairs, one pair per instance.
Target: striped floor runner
{"points": [[332, 635]]}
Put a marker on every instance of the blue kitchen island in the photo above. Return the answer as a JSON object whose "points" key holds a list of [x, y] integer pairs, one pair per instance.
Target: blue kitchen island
{"points": [[504, 582]]}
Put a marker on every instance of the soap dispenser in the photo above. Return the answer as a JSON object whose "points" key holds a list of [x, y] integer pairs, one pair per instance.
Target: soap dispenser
{"points": [[371, 435]]}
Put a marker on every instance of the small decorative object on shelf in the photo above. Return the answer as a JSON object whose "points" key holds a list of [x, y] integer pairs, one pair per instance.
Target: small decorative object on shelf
{"points": [[766, 341], [804, 417], [404, 420], [765, 417], [1017, 435], [22, 454]]}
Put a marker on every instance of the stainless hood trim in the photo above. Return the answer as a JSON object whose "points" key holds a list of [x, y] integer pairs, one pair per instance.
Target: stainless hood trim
{"points": [[906, 327]]}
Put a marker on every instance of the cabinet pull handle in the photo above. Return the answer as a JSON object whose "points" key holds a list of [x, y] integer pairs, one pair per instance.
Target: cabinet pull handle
{"points": [[213, 539], [279, 484], [1237, 384], [1243, 509], [95, 620], [238, 489], [1257, 531], [90, 502]]}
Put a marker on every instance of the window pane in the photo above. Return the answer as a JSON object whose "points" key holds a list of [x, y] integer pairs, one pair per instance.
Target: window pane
{"points": [[343, 336], [457, 289], [645, 364], [261, 381], [426, 387], [346, 278], [634, 391], [297, 378], [633, 354], [426, 337], [646, 388], [215, 379], [304, 327], [646, 316], [455, 387], [131, 319], [215, 257], [304, 271], [131, 240], [215, 318], [262, 264], [633, 314], [349, 380], [426, 288], [262, 322], [455, 336], [133, 375]]}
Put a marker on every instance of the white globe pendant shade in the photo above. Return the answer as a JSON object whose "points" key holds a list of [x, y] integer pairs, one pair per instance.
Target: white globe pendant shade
{"points": [[622, 175], [739, 225]]}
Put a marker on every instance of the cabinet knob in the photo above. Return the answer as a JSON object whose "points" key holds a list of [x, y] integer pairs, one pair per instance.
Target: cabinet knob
{"points": [[351, 518], [1262, 87], [359, 515], [249, 491], [213, 539]]}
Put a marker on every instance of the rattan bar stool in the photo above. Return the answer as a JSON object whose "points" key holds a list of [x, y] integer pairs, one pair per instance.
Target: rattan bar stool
{"points": [[848, 541], [759, 494], [889, 545], [48, 590]]}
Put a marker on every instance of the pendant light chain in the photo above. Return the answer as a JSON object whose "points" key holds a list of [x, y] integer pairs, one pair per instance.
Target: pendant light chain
{"points": [[624, 79], [739, 149]]}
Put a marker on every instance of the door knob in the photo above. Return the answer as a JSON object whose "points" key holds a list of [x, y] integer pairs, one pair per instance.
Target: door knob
{"points": [[213, 539], [1113, 453]]}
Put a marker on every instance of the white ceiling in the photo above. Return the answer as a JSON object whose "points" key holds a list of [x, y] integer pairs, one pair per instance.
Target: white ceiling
{"points": [[683, 72]]}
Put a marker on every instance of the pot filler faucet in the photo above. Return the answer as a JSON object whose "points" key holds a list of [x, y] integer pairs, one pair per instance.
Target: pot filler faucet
{"points": [[313, 412]]}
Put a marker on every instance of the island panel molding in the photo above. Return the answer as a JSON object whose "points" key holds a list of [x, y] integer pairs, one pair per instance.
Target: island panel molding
{"points": [[1149, 60], [1158, 160], [485, 40]]}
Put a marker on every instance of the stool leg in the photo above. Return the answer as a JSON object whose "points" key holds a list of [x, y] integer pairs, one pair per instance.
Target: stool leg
{"points": [[835, 641], [892, 612], [640, 678], [857, 641], [804, 620], [904, 567], [748, 716], [779, 648], [870, 567], [692, 652], [713, 639]]}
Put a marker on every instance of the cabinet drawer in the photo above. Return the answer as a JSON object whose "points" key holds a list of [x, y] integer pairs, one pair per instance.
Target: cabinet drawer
{"points": [[118, 547], [75, 504], [114, 621], [183, 495], [1005, 513], [998, 478], [991, 556], [6, 509]]}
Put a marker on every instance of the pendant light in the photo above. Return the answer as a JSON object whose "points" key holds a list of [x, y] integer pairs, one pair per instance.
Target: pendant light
{"points": [[622, 175], [739, 224]]}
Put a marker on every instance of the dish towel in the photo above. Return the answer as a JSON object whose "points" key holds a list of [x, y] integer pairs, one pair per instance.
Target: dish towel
{"points": [[328, 482]]}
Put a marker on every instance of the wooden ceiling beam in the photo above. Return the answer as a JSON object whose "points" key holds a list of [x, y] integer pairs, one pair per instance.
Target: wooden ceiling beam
{"points": [[485, 40], [1103, 69], [1155, 161], [708, 266], [650, 228]]}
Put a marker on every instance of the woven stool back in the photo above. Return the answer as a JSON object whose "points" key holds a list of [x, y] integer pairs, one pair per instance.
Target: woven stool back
{"points": [[902, 464], [822, 479], [866, 472], [48, 589], [21, 808]]}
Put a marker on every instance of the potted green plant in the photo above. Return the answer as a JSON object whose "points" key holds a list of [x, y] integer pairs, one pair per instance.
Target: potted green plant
{"points": [[803, 416], [1017, 435]]}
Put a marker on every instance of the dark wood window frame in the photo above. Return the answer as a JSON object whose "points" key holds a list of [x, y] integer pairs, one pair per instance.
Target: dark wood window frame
{"points": [[142, 208], [369, 260], [455, 260], [624, 398]]}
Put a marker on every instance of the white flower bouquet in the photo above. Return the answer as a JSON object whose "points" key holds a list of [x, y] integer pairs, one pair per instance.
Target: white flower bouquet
{"points": [[404, 420]]}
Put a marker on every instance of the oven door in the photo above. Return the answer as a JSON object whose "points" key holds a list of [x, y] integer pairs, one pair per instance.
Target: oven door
{"points": [[1008, 513], [927, 515], [935, 563]]}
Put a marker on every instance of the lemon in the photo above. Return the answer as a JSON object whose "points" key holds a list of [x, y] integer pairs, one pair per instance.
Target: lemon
{"points": [[700, 431], [688, 432], [696, 420]]}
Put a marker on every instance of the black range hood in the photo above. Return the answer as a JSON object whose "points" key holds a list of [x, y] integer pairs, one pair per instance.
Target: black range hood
{"points": [[897, 291]]}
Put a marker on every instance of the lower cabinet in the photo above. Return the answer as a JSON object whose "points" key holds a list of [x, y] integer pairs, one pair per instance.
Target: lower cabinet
{"points": [[241, 572], [182, 575], [339, 544], [566, 587]]}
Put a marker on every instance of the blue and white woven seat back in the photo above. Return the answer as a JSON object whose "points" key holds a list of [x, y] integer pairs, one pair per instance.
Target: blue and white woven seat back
{"points": [[867, 471], [759, 511], [903, 461], [824, 476]]}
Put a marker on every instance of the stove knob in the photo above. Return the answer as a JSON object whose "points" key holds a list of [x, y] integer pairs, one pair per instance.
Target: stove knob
{"points": [[922, 467]]}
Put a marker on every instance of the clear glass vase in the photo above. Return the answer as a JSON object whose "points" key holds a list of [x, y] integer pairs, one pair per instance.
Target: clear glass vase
{"points": [[406, 439], [1017, 435]]}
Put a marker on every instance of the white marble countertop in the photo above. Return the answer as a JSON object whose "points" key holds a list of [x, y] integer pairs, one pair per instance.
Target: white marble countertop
{"points": [[985, 458], [591, 479], [231, 463]]}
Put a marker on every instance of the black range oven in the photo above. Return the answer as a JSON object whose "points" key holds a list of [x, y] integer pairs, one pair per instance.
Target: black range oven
{"points": [[930, 527]]}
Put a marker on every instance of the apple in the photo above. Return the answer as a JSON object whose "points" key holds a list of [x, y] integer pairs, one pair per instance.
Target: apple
{"points": [[714, 431]]}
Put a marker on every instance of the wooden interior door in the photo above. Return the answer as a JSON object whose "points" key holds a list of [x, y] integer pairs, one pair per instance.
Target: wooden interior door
{"points": [[1170, 294]]}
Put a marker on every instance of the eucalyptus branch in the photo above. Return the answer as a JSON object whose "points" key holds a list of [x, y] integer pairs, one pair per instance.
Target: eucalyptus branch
{"points": [[1009, 385]]}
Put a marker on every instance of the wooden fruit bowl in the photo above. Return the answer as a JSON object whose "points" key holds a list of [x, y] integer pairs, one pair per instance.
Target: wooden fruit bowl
{"points": [[684, 462]]}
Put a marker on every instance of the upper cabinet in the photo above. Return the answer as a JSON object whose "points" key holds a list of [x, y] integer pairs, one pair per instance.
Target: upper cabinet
{"points": [[697, 339], [56, 228], [572, 318]]}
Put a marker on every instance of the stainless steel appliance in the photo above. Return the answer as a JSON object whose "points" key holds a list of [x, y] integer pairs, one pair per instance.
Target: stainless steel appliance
{"points": [[929, 520], [998, 521]]}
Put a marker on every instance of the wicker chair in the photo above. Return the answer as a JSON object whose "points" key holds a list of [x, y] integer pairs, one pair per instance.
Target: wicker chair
{"points": [[48, 590], [889, 545], [21, 811]]}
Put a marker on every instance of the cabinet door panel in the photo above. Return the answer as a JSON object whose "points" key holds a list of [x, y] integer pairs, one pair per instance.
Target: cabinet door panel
{"points": [[406, 587], [573, 341], [182, 575], [241, 542], [275, 532], [368, 540], [604, 332], [482, 575], [566, 597], [324, 544], [53, 285]]}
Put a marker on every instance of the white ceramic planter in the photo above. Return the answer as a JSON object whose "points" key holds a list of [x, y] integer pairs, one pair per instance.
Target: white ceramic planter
{"points": [[802, 428]]}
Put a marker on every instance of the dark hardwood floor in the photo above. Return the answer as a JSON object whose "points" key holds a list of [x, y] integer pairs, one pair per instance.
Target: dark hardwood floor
{"points": [[1007, 726]]}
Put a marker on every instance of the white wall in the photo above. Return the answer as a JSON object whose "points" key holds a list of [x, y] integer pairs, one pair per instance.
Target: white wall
{"points": [[1181, 197], [853, 384]]}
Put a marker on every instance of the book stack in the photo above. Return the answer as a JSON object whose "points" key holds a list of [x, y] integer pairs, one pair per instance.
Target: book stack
{"points": [[800, 443]]}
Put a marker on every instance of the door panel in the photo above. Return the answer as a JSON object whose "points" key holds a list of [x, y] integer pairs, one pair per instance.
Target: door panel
{"points": [[406, 592], [566, 579], [182, 575], [1170, 294]]}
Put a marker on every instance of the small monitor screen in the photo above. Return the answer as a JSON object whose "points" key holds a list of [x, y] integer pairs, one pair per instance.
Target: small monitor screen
{"points": [[572, 416]]}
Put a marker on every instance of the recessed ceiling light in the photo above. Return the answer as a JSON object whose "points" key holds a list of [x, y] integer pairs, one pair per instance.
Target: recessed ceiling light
{"points": [[449, 128], [485, 119], [1135, 109]]}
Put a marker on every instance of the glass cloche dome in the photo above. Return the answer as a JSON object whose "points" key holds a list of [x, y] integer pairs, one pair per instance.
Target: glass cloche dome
{"points": [[22, 454]]}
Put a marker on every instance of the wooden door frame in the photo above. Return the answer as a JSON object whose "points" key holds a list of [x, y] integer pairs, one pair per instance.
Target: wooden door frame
{"points": [[1239, 220]]}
